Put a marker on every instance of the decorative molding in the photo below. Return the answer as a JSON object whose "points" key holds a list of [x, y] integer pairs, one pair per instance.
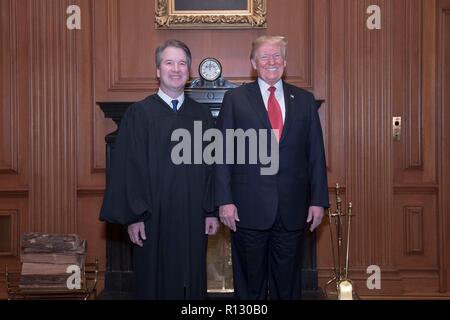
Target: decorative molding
{"points": [[398, 281], [443, 101], [413, 230], [308, 62], [416, 189], [167, 18], [9, 159], [90, 191], [413, 128], [116, 81], [14, 193], [97, 165], [319, 69], [14, 232]]}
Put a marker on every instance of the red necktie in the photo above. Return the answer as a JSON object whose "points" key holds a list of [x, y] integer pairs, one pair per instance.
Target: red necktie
{"points": [[274, 110]]}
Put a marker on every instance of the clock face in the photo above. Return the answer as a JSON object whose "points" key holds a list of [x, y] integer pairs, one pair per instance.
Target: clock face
{"points": [[210, 69]]}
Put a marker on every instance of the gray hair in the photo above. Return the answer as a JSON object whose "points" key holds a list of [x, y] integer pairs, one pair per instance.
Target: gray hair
{"points": [[174, 44]]}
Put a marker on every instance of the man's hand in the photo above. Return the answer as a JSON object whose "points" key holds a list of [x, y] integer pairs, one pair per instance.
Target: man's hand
{"points": [[315, 214], [228, 215], [136, 232], [211, 226]]}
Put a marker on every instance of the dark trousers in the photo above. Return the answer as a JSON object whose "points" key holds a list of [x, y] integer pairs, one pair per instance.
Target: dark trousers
{"points": [[267, 263]]}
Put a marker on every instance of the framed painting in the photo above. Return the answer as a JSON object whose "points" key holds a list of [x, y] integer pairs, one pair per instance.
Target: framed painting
{"points": [[205, 14]]}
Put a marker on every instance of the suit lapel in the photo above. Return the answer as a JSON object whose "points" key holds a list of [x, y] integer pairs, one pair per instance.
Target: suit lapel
{"points": [[257, 103], [289, 100]]}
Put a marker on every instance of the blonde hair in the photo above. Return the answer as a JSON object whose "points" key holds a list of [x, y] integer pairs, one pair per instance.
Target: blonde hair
{"points": [[276, 40]]}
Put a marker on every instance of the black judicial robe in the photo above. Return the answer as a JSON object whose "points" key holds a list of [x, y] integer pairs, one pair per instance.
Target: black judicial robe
{"points": [[172, 200]]}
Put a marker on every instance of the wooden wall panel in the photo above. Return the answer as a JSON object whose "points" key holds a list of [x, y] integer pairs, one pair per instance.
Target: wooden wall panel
{"points": [[8, 84], [14, 154], [406, 76], [125, 68], [91, 123], [334, 86], [415, 241], [52, 132], [415, 154], [443, 97], [368, 113], [54, 80], [393, 186], [17, 208], [11, 246], [125, 62], [92, 230]]}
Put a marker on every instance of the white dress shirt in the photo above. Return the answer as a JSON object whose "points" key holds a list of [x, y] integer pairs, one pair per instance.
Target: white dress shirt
{"points": [[168, 99], [279, 95]]}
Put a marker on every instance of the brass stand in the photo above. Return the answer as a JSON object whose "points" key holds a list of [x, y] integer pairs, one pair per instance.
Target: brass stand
{"points": [[341, 223]]}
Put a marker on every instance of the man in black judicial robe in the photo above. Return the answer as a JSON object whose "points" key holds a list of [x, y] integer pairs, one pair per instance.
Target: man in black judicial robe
{"points": [[169, 208]]}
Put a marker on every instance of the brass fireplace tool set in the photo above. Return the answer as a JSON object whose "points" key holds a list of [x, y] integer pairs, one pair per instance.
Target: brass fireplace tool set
{"points": [[340, 223]]}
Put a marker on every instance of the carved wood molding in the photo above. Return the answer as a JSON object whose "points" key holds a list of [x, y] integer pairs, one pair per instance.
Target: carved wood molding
{"points": [[14, 193], [413, 147], [413, 230], [9, 155], [416, 189], [119, 81], [116, 81], [13, 215], [167, 18]]}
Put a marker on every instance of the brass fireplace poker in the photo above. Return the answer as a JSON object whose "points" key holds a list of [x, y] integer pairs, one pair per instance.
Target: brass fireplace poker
{"points": [[340, 223]]}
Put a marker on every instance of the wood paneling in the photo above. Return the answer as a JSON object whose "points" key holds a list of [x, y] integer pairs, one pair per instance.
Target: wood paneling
{"points": [[415, 239], [17, 209], [393, 185], [54, 80], [10, 247], [125, 63], [335, 106], [443, 97], [14, 129], [406, 76], [91, 125], [92, 230], [52, 133], [125, 68], [367, 97], [415, 154], [8, 84]]}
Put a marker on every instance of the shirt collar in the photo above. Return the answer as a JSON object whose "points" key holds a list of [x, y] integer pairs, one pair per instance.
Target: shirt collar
{"points": [[168, 99], [264, 86]]}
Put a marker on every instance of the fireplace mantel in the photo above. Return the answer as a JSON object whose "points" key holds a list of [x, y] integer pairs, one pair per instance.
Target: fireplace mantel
{"points": [[119, 268]]}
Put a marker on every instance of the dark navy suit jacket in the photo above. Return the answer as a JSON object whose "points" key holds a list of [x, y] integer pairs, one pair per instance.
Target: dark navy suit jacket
{"points": [[301, 180]]}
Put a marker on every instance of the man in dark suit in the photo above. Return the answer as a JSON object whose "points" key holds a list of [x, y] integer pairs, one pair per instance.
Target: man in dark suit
{"points": [[268, 214]]}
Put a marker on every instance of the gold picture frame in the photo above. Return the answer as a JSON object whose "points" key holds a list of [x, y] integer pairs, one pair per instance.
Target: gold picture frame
{"points": [[168, 17]]}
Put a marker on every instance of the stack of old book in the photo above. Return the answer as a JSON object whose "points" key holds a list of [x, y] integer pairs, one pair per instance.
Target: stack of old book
{"points": [[48, 260]]}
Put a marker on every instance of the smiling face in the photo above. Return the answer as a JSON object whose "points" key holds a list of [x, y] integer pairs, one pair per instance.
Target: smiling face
{"points": [[269, 62], [173, 72]]}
